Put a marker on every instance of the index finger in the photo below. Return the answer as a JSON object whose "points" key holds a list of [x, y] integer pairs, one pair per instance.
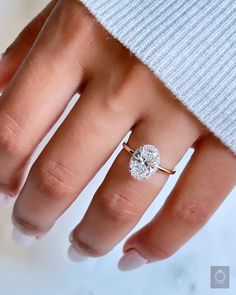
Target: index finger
{"points": [[32, 103]]}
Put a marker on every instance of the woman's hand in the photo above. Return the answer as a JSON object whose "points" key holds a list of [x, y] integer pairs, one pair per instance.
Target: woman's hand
{"points": [[64, 51]]}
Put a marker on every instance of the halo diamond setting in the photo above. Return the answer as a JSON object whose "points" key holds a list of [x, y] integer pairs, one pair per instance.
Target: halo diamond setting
{"points": [[144, 162]]}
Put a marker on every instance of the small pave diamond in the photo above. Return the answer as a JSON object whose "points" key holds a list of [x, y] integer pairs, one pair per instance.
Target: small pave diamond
{"points": [[144, 162]]}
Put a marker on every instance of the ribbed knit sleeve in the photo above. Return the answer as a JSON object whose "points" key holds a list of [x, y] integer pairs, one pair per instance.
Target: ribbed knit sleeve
{"points": [[191, 47]]}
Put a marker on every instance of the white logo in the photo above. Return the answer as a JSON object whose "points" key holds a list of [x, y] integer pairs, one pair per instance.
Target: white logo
{"points": [[220, 276]]}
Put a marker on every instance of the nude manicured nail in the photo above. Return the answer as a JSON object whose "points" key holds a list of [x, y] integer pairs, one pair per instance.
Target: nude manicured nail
{"points": [[76, 255], [131, 260], [21, 238], [71, 237], [1, 56], [4, 199]]}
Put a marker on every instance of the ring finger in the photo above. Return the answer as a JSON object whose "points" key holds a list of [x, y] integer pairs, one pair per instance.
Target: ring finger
{"points": [[121, 201]]}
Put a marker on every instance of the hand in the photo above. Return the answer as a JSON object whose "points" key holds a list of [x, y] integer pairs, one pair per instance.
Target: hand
{"points": [[64, 51]]}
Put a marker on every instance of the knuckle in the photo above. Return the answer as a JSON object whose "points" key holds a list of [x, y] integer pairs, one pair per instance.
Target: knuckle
{"points": [[191, 213], [11, 135], [71, 9], [74, 7], [87, 249], [54, 178], [117, 207], [28, 226], [113, 104], [79, 39], [115, 99]]}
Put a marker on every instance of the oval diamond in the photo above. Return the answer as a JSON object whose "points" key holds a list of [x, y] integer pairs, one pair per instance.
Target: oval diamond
{"points": [[144, 162]]}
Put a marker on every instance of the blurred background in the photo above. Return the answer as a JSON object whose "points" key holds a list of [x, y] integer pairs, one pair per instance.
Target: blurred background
{"points": [[44, 267]]}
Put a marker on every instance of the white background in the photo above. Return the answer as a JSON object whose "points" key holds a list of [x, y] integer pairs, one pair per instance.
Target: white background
{"points": [[44, 268]]}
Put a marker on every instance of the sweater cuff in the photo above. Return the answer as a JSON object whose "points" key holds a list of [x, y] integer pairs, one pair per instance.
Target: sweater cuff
{"points": [[189, 45]]}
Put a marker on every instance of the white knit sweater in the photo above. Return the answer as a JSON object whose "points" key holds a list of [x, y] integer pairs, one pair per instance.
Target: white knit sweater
{"points": [[191, 47]]}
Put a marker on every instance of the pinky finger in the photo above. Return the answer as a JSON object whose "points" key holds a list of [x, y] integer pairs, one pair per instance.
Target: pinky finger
{"points": [[16, 52], [204, 184]]}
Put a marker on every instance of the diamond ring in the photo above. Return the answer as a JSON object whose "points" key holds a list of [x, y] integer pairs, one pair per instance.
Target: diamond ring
{"points": [[145, 161]]}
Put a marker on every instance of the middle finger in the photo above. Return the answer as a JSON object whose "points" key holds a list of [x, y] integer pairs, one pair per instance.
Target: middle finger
{"points": [[72, 157]]}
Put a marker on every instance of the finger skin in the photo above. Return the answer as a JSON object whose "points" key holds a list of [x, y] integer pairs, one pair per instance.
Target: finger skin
{"points": [[69, 161], [17, 51], [206, 181], [91, 132], [33, 101], [120, 201]]}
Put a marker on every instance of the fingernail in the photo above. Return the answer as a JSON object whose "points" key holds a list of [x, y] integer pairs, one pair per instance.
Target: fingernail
{"points": [[71, 237], [21, 238], [76, 255], [131, 260], [2, 56], [4, 199]]}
